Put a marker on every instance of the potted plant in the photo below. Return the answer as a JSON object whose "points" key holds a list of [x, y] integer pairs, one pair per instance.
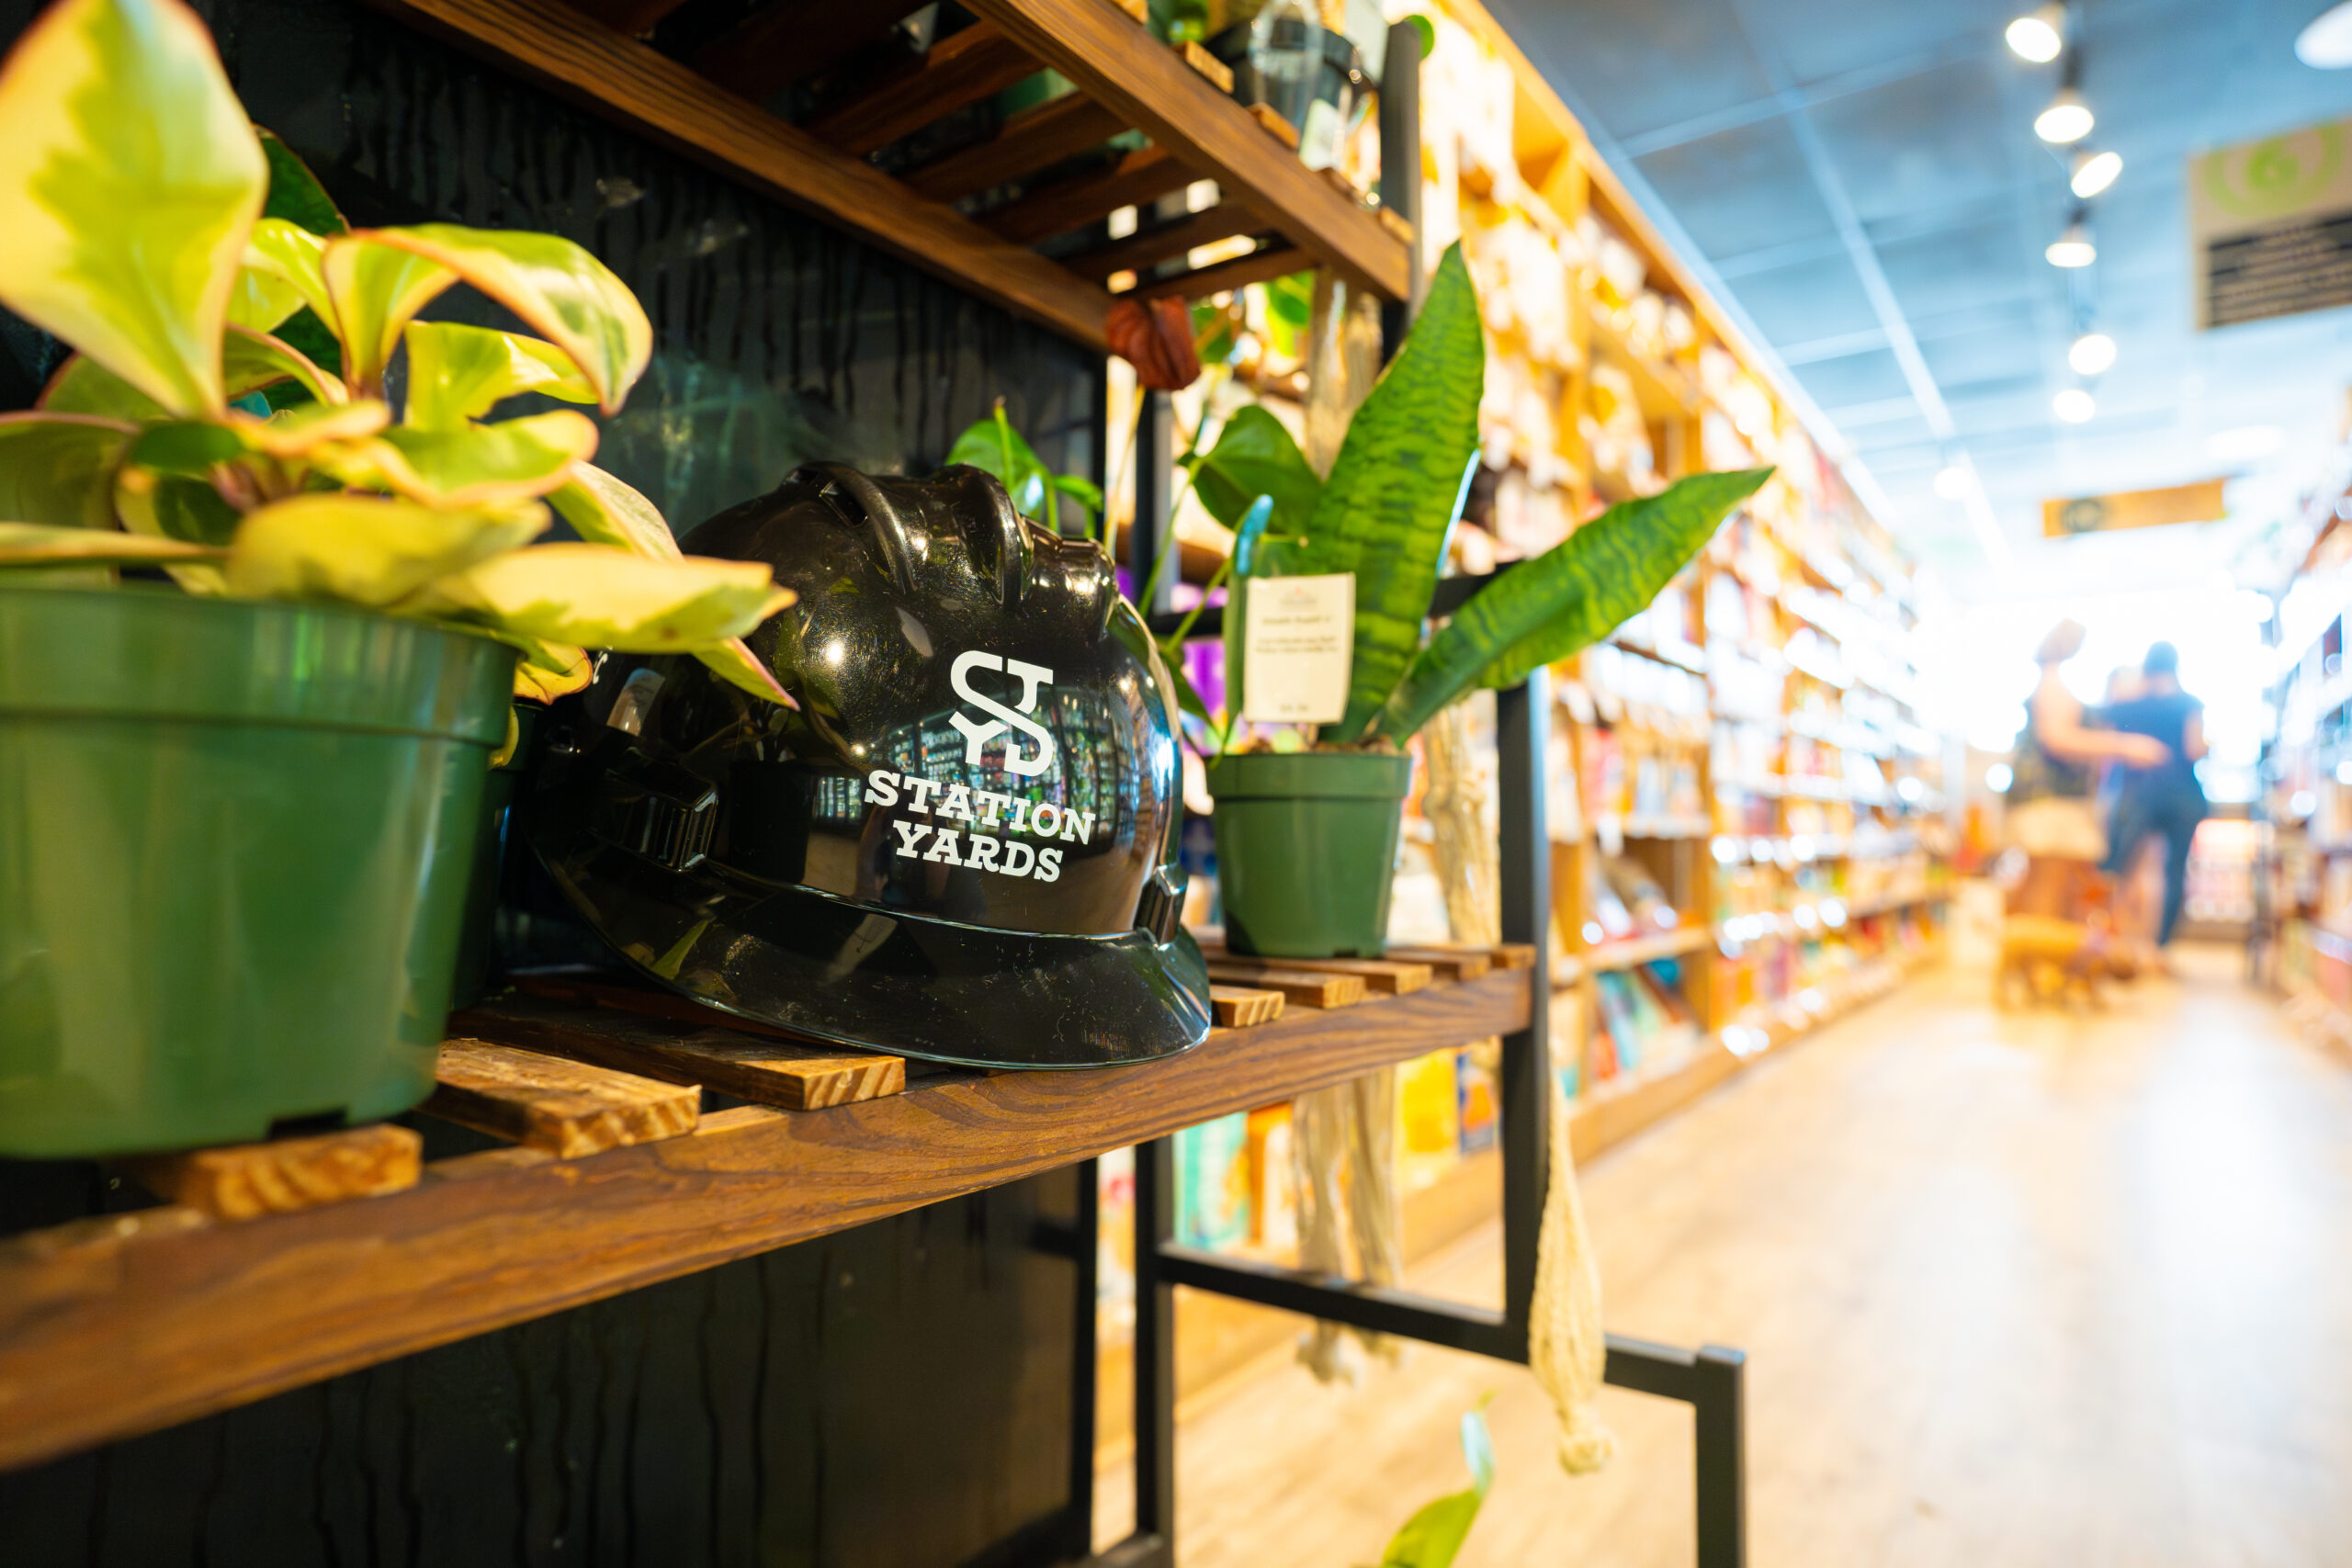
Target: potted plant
{"points": [[1307, 823], [237, 807]]}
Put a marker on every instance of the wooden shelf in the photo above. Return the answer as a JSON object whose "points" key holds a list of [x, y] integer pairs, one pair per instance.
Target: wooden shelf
{"points": [[124, 1324], [1126, 80], [1634, 951]]}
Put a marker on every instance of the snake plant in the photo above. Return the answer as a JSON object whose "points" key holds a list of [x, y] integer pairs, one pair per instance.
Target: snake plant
{"points": [[226, 413]]}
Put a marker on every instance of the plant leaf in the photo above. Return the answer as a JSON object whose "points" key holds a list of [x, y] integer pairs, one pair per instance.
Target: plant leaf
{"points": [[603, 511], [58, 468], [734, 662], [1255, 456], [31, 543], [1432, 1537], [1397, 487], [993, 447], [381, 277], [295, 193], [263, 299], [250, 360], [458, 373], [365, 549], [128, 179], [1570, 596], [1249, 542], [83, 386], [479, 465], [290, 257], [597, 596], [549, 670]]}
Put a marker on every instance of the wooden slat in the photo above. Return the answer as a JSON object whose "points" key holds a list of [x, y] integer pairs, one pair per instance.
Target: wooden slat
{"points": [[750, 1067], [245, 1182], [1275, 261], [1112, 60], [1031, 139], [632, 84], [1145, 175], [1512, 955], [1389, 977], [1155, 245], [1303, 986], [567, 1108], [1238, 1007], [961, 69], [1216, 71], [635, 17], [128, 1326], [789, 41], [1451, 963], [1275, 125]]}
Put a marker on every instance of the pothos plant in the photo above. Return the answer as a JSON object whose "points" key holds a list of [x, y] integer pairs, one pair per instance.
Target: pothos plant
{"points": [[227, 412]]}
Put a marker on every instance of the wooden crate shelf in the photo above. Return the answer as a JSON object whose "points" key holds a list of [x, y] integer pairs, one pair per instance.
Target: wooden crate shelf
{"points": [[707, 107], [127, 1323]]}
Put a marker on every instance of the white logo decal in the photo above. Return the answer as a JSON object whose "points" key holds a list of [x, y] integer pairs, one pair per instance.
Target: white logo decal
{"points": [[978, 733]]}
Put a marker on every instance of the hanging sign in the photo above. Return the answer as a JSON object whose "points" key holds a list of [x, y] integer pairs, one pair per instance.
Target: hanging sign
{"points": [[1298, 642], [2270, 226], [2199, 502]]}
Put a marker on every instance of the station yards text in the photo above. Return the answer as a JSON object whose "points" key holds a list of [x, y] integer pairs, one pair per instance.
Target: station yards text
{"points": [[983, 808]]}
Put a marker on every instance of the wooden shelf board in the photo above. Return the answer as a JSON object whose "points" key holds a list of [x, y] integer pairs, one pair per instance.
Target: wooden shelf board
{"points": [[1632, 951], [121, 1325]]}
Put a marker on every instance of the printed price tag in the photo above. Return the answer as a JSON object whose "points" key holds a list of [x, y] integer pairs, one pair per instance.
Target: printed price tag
{"points": [[1298, 643]]}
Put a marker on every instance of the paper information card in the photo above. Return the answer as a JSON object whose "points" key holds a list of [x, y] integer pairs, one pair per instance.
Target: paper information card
{"points": [[1298, 639]]}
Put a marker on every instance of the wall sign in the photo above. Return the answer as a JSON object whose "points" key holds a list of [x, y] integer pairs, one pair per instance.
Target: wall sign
{"points": [[2199, 502], [2270, 226]]}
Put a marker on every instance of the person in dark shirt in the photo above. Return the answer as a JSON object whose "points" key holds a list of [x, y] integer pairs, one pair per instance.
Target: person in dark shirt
{"points": [[2162, 801]]}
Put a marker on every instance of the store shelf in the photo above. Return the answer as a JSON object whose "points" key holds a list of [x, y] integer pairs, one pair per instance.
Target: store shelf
{"points": [[708, 109], [121, 1325], [1636, 951]]}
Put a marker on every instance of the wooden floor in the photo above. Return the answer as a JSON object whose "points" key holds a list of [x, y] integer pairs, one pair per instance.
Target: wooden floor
{"points": [[2016, 1290]]}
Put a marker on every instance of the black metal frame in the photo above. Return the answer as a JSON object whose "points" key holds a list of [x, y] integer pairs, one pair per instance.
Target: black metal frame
{"points": [[1709, 1378]]}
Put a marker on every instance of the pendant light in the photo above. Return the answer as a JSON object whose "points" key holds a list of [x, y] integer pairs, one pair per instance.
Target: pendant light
{"points": [[2067, 119], [2072, 248], [2091, 354], [2325, 44], [2073, 405], [2094, 171], [2039, 35]]}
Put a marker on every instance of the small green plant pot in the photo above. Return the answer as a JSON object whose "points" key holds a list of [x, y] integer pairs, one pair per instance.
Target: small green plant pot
{"points": [[235, 842], [1307, 850]]}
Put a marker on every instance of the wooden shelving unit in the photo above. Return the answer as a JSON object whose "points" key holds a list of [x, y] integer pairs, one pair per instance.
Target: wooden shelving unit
{"points": [[119, 1324], [993, 215]]}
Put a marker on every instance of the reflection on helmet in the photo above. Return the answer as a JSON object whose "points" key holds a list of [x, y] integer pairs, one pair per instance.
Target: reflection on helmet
{"points": [[974, 807]]}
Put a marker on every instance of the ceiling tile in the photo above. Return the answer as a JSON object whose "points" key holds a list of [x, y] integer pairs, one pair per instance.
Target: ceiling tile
{"points": [[1926, 141], [1818, 39], [1740, 190], [1637, 64], [1812, 300], [1987, 263], [1854, 378]]}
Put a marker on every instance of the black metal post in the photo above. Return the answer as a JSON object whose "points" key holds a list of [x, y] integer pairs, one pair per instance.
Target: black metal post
{"points": [[1522, 730], [1155, 462], [1086, 1227], [1400, 164], [1720, 1418], [1155, 1380]]}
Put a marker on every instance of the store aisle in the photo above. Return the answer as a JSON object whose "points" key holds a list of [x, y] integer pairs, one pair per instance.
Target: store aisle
{"points": [[2016, 1289]]}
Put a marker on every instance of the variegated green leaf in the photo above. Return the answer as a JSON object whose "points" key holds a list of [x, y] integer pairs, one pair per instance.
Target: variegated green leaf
{"points": [[295, 193], [81, 384], [1567, 598], [549, 670], [129, 180], [458, 373], [381, 277], [734, 662], [58, 468], [603, 511], [597, 596], [479, 465], [31, 544], [252, 360], [1398, 485], [290, 257], [365, 550], [263, 300]]}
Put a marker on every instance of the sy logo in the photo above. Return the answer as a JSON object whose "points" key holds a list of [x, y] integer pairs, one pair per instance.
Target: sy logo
{"points": [[978, 733]]}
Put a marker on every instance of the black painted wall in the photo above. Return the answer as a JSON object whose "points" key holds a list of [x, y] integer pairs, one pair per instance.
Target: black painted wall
{"points": [[899, 1395]]}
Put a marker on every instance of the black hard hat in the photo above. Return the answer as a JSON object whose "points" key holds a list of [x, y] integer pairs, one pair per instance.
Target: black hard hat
{"points": [[959, 848]]}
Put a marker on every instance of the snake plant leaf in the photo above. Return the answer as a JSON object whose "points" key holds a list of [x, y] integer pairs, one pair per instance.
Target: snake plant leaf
{"points": [[379, 278], [1254, 455], [366, 549], [129, 180], [734, 662], [57, 468], [1249, 547], [458, 373], [33, 545], [479, 465], [1397, 487], [603, 511], [601, 597], [1570, 596], [295, 193]]}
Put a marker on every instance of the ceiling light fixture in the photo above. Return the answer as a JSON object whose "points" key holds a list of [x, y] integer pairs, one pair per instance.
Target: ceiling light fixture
{"points": [[2094, 171], [2068, 118], [2091, 354], [2072, 248], [2326, 43], [2039, 35], [2073, 405], [1951, 483]]}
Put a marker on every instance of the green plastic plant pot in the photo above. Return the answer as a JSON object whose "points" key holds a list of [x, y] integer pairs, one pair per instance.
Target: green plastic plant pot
{"points": [[1307, 850], [234, 840]]}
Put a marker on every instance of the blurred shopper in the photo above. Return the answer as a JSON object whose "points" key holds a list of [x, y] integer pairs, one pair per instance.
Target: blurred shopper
{"points": [[2051, 815], [2161, 800]]}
